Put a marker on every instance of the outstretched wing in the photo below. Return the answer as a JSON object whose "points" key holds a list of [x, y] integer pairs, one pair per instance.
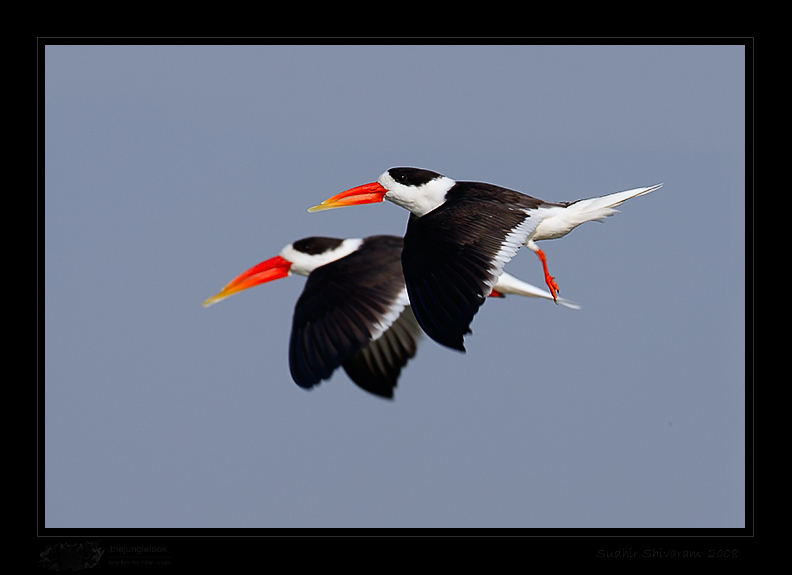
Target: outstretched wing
{"points": [[345, 305], [376, 367], [454, 254]]}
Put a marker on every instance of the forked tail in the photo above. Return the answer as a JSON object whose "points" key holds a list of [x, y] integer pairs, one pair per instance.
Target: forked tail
{"points": [[604, 206], [561, 219]]}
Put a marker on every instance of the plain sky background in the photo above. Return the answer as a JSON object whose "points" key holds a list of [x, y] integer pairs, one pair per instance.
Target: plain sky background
{"points": [[171, 169]]}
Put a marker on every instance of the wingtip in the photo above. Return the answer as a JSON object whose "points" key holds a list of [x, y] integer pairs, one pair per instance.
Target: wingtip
{"points": [[460, 346]]}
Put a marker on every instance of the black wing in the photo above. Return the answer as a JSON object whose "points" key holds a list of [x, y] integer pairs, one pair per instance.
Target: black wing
{"points": [[376, 367], [344, 306], [454, 254]]}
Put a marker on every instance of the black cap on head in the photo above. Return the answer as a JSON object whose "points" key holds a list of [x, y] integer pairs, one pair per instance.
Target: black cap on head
{"points": [[316, 245], [413, 176]]}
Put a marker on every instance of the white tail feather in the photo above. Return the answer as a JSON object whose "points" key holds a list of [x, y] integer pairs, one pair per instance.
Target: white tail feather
{"points": [[559, 221], [508, 284], [602, 207]]}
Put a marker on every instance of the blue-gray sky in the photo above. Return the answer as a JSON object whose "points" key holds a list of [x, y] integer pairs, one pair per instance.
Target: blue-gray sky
{"points": [[169, 170]]}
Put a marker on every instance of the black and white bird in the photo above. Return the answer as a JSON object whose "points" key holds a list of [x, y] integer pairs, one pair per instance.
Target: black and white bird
{"points": [[354, 310], [461, 234]]}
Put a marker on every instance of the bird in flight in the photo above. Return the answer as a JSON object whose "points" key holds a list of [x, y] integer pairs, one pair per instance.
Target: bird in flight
{"points": [[461, 234], [354, 311]]}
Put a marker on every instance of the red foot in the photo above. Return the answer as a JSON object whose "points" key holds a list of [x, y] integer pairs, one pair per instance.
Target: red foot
{"points": [[551, 283], [549, 280]]}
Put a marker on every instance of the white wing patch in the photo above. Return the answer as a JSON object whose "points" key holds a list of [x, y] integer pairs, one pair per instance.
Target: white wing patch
{"points": [[393, 313], [511, 243]]}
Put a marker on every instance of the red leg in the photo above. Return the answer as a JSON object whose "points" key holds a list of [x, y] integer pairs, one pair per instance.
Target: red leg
{"points": [[550, 280]]}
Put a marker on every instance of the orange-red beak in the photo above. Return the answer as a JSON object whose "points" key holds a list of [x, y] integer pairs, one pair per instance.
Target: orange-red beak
{"points": [[272, 269], [366, 194]]}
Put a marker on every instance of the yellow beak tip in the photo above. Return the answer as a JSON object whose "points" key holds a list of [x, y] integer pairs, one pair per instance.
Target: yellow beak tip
{"points": [[321, 207], [213, 300]]}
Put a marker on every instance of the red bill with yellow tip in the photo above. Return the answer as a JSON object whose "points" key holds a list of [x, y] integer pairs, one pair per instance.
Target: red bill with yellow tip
{"points": [[366, 194], [272, 269]]}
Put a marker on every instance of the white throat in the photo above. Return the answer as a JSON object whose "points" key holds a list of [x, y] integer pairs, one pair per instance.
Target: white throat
{"points": [[418, 199]]}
